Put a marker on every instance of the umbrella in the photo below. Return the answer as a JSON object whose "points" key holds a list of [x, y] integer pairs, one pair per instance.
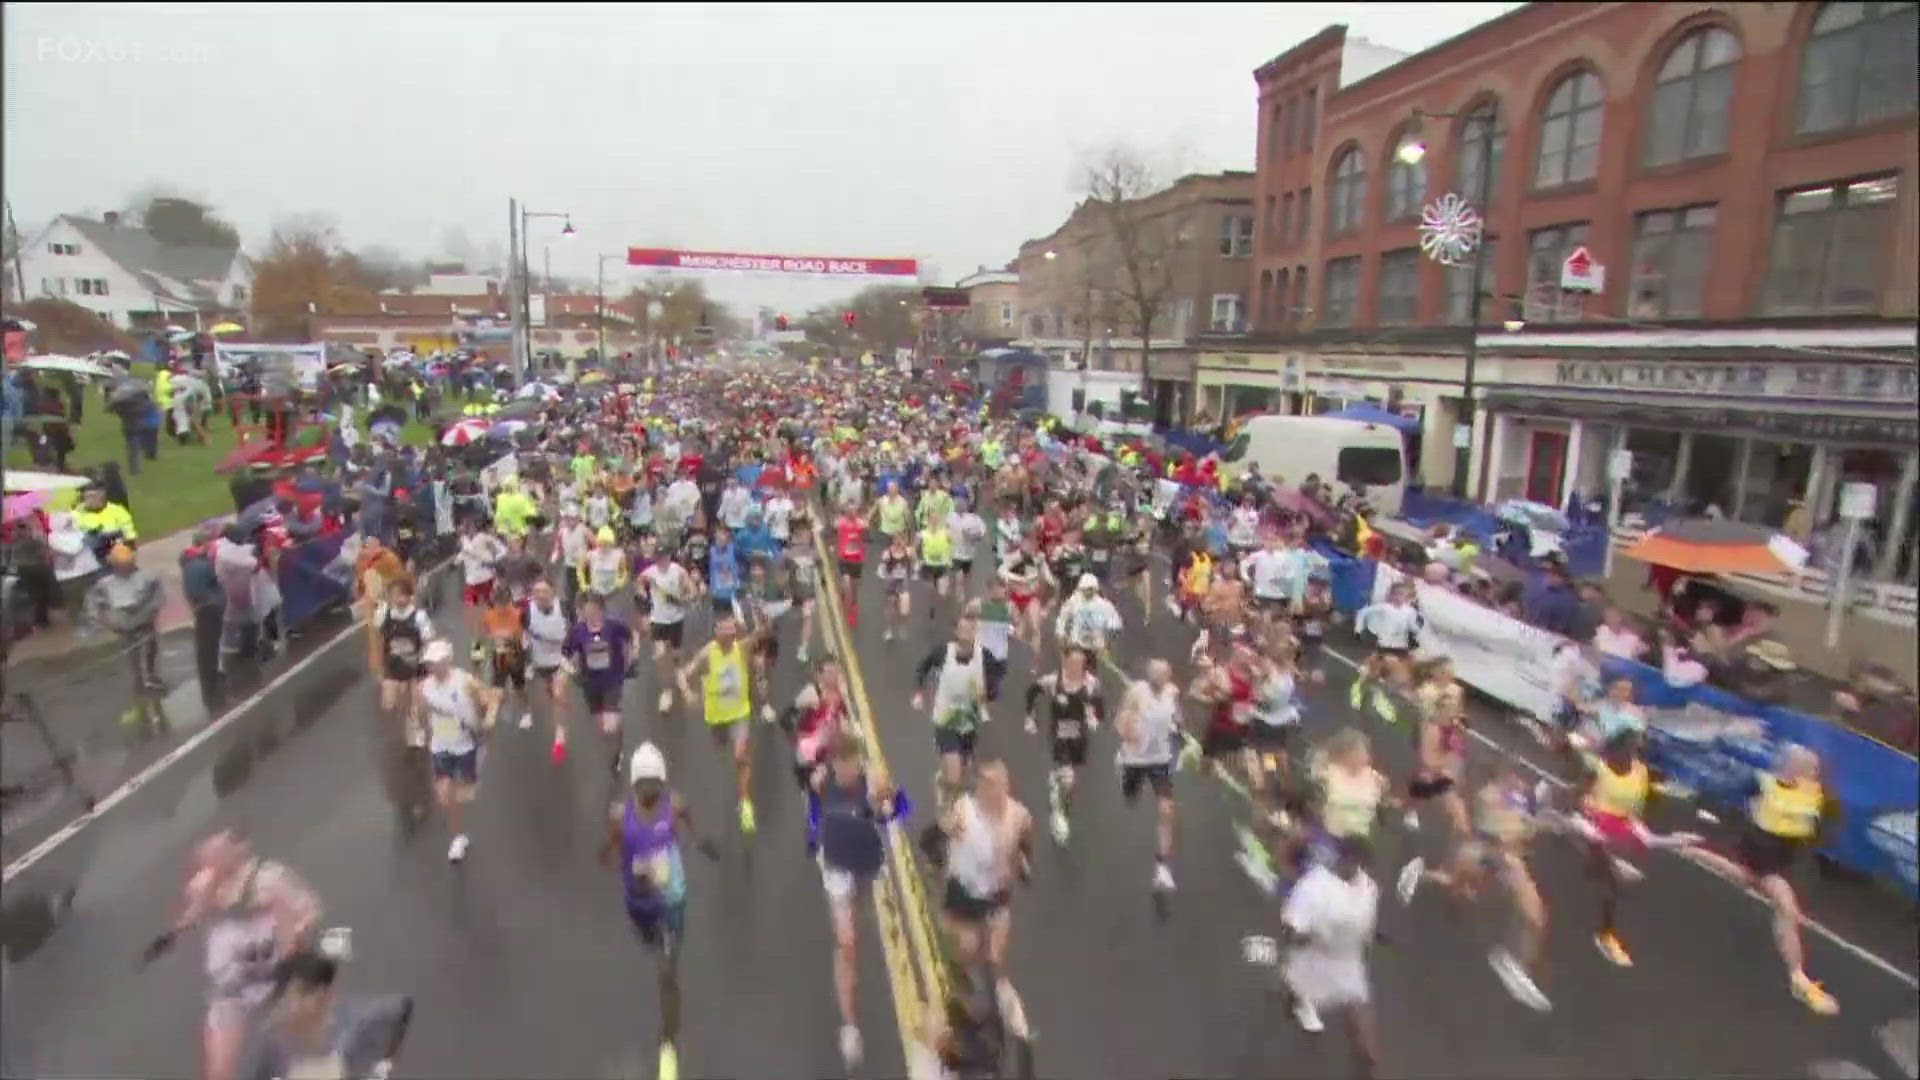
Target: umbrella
{"points": [[1709, 546], [507, 429], [465, 431], [24, 502], [227, 328], [593, 377], [18, 480], [181, 334], [115, 354], [520, 410], [70, 364]]}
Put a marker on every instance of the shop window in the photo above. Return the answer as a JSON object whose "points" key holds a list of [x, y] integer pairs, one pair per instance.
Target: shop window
{"points": [[1570, 132], [1672, 250], [1484, 124], [1692, 97], [1397, 301], [1241, 400], [1711, 474], [1340, 292], [1776, 476], [1406, 186], [1546, 249], [1346, 193], [1656, 456], [1460, 285], [1859, 66], [1828, 248]]}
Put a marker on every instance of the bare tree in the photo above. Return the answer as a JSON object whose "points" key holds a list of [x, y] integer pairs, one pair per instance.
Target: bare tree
{"points": [[1146, 245]]}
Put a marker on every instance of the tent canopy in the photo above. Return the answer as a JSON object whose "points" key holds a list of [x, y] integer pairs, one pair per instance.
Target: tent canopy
{"points": [[1374, 414]]}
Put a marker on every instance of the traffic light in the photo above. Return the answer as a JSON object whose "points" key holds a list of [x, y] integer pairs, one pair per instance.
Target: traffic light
{"points": [[780, 323], [847, 317]]}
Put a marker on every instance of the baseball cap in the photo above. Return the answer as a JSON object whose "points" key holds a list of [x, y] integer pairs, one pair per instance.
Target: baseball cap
{"points": [[1089, 583], [648, 763], [437, 652]]}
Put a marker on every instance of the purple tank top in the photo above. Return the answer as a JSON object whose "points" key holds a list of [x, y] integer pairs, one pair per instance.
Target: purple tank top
{"points": [[650, 857]]}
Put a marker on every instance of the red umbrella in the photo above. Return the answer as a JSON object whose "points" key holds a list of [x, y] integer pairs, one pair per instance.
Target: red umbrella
{"points": [[465, 431]]}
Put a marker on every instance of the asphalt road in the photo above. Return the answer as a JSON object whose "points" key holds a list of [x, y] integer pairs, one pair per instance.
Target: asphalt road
{"points": [[522, 962]]}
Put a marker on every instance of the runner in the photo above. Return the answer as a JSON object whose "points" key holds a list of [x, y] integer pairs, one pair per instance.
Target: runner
{"points": [[936, 559], [1074, 707], [958, 705], [1087, 621], [848, 811], [768, 597], [818, 715], [644, 829], [458, 711], [506, 649], [547, 628], [603, 573], [800, 563], [722, 666], [1328, 924], [597, 651], [1024, 573], [989, 844], [969, 532], [851, 546], [1149, 729], [670, 592]]}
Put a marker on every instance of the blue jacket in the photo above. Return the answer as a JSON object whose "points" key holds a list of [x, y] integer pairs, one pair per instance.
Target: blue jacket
{"points": [[754, 540], [723, 570]]}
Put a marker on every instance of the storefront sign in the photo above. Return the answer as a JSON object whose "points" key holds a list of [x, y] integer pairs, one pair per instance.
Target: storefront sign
{"points": [[1786, 424], [1823, 381], [1380, 364]]}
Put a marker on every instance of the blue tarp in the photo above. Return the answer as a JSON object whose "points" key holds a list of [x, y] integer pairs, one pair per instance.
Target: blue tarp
{"points": [[306, 586], [1374, 414], [1876, 786]]}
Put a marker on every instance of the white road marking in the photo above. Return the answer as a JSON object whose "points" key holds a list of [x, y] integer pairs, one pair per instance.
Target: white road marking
{"points": [[173, 757]]}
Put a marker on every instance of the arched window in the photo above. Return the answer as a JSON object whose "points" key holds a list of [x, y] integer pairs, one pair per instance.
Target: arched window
{"points": [[1570, 132], [1692, 97], [1347, 193], [1299, 296], [1277, 314], [1406, 184], [1481, 127], [1859, 66]]}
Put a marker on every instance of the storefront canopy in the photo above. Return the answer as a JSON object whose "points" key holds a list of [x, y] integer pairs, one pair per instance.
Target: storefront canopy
{"points": [[1374, 414]]}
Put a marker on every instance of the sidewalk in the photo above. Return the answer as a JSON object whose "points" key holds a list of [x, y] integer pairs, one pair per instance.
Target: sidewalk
{"points": [[43, 651]]}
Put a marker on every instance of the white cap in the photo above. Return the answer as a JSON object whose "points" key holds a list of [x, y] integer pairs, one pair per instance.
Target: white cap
{"points": [[648, 764], [1089, 583], [437, 652]]}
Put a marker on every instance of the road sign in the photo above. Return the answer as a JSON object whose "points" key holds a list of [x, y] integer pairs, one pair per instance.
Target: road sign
{"points": [[1580, 272]]}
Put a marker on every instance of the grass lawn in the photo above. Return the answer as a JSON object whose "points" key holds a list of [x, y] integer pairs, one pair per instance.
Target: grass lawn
{"points": [[179, 490]]}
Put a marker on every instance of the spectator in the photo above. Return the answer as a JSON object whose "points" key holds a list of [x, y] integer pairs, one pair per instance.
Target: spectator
{"points": [[73, 557], [202, 587], [1677, 664], [1765, 675], [127, 601], [1552, 605], [115, 484], [32, 559], [1617, 637], [235, 562], [105, 523], [1875, 704]]}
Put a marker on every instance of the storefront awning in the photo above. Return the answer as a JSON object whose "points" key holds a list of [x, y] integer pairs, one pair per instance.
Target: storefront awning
{"points": [[1893, 430]]}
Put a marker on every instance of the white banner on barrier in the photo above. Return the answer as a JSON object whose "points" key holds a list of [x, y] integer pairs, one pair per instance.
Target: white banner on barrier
{"points": [[1502, 657]]}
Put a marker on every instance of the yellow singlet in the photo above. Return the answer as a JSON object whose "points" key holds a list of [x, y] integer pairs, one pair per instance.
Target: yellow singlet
{"points": [[1792, 813], [1617, 794], [726, 684]]}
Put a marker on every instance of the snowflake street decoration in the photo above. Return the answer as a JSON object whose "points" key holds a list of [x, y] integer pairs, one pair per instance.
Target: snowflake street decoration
{"points": [[1450, 230]]}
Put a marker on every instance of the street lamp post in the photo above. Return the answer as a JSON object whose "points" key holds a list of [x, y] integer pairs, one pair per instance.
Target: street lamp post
{"points": [[600, 304], [1434, 225], [524, 307]]}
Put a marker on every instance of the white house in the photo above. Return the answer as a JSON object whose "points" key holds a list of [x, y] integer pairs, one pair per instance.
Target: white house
{"points": [[125, 275]]}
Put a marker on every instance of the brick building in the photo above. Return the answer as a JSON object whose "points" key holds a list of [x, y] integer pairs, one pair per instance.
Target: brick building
{"points": [[1745, 175], [993, 301], [1197, 238]]}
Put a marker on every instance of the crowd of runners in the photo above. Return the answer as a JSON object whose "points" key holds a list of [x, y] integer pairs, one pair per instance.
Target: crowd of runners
{"points": [[689, 528]]}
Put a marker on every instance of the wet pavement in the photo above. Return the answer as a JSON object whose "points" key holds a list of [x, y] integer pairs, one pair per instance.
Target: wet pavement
{"points": [[522, 962]]}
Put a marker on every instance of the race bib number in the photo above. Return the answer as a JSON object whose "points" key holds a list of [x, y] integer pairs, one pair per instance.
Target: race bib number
{"points": [[599, 657], [1067, 729], [402, 648], [727, 683], [1313, 628]]}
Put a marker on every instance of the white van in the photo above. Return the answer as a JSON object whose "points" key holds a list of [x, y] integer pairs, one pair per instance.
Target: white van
{"points": [[1356, 454]]}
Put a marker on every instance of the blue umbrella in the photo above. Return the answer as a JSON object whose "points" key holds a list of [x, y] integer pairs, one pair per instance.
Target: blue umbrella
{"points": [[506, 429]]}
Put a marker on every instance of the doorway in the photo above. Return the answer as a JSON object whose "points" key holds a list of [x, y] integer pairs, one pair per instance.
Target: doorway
{"points": [[1546, 463]]}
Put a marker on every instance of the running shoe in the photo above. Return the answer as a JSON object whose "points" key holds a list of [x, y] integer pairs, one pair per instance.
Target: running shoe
{"points": [[803, 655], [669, 1062], [1409, 881], [666, 702], [1813, 995], [1062, 830], [1162, 878], [1610, 947], [851, 1050], [559, 751], [1519, 984], [746, 817], [1307, 1017], [526, 720], [457, 850]]}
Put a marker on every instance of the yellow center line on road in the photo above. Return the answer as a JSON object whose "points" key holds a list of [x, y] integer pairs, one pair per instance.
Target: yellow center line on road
{"points": [[915, 965]]}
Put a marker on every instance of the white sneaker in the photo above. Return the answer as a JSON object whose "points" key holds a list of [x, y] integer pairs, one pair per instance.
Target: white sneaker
{"points": [[526, 721], [850, 1048], [1162, 878], [1061, 830], [457, 850], [803, 655], [887, 634], [1411, 821], [1409, 880], [666, 702], [766, 714], [1307, 1017], [1519, 984]]}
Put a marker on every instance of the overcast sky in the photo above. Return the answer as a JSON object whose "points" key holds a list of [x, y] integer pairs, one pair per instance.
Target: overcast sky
{"points": [[944, 132]]}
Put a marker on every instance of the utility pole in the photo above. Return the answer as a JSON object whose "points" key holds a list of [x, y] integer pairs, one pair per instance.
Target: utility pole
{"points": [[19, 277]]}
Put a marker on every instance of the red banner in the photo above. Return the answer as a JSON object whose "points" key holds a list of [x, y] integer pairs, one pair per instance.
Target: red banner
{"points": [[770, 264]]}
